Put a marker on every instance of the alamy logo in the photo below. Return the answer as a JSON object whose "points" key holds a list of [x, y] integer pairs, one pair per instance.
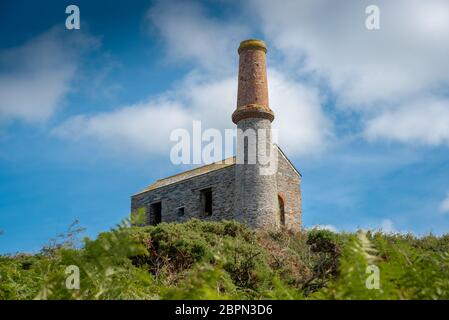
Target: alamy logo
{"points": [[372, 21], [72, 282], [205, 147], [73, 20], [373, 280]]}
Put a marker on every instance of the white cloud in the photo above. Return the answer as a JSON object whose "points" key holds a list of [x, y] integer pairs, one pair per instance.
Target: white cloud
{"points": [[208, 93], [424, 122], [385, 75], [36, 76], [444, 206], [303, 126], [329, 39], [191, 36], [387, 226], [378, 74], [209, 99], [325, 227], [145, 127]]}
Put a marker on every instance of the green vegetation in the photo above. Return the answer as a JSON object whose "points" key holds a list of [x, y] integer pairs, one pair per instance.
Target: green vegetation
{"points": [[226, 260]]}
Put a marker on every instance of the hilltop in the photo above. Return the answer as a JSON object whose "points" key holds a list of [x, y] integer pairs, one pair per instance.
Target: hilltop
{"points": [[227, 260]]}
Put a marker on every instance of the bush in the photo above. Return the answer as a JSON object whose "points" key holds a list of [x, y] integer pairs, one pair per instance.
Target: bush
{"points": [[226, 260]]}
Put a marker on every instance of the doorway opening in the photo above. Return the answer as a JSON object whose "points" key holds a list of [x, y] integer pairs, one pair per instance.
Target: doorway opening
{"points": [[206, 202], [156, 213]]}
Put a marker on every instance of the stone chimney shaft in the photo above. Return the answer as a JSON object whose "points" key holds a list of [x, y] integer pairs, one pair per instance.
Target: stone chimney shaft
{"points": [[252, 96]]}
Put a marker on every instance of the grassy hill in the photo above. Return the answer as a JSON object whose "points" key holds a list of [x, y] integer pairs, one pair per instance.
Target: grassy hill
{"points": [[226, 260]]}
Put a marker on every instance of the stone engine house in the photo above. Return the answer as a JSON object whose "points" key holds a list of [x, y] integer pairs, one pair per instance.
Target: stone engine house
{"points": [[233, 189]]}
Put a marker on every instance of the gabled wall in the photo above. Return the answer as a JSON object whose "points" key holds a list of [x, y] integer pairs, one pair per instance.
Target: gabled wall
{"points": [[289, 189]]}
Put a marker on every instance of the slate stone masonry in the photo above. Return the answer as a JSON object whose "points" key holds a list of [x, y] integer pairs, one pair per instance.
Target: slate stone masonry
{"points": [[187, 194]]}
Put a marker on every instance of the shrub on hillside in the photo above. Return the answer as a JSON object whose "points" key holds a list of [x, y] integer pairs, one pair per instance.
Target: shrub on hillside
{"points": [[226, 260]]}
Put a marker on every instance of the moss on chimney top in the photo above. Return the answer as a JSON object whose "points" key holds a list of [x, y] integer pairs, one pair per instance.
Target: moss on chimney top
{"points": [[254, 44]]}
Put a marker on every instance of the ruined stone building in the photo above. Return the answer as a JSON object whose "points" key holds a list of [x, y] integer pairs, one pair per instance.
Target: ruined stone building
{"points": [[233, 189]]}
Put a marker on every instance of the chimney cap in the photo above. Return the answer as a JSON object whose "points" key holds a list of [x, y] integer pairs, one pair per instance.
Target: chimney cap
{"points": [[254, 44]]}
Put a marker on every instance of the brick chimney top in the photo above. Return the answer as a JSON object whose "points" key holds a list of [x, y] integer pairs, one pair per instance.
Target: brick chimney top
{"points": [[252, 96], [254, 44]]}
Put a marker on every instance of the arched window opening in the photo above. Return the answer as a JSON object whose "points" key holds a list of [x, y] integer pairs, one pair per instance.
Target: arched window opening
{"points": [[281, 211]]}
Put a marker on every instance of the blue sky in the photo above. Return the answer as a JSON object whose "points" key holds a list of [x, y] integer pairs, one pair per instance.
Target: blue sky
{"points": [[85, 115]]}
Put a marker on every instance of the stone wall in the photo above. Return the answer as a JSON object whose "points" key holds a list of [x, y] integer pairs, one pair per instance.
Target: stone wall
{"points": [[187, 194], [289, 189], [258, 199]]}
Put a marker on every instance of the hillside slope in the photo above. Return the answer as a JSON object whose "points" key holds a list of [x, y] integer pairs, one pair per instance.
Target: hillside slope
{"points": [[226, 260]]}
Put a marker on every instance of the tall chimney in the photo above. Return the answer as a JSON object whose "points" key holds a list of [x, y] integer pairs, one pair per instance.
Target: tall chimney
{"points": [[256, 196], [252, 96]]}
